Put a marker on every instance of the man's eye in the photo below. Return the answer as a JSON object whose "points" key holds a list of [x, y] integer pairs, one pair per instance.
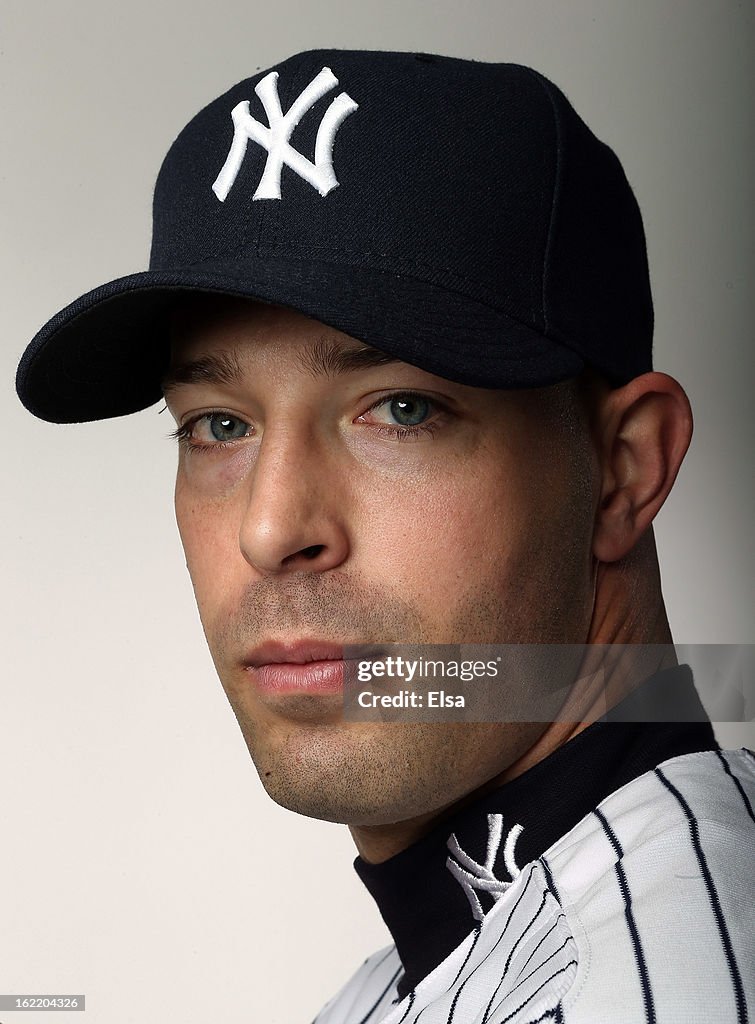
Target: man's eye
{"points": [[212, 429], [222, 427], [404, 410]]}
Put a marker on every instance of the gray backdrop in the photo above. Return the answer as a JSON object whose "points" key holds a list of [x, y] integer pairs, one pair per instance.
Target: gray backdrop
{"points": [[141, 862]]}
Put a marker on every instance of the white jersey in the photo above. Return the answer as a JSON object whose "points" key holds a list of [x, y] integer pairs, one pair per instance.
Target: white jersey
{"points": [[641, 913]]}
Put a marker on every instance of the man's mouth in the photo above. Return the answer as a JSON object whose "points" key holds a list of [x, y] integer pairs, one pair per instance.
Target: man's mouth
{"points": [[311, 666], [305, 666]]}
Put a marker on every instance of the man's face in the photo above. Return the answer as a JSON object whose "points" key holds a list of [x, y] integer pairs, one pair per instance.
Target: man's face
{"points": [[327, 493]]}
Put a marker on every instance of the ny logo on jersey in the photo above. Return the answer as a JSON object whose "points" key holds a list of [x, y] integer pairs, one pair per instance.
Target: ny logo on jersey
{"points": [[474, 877], [276, 138]]}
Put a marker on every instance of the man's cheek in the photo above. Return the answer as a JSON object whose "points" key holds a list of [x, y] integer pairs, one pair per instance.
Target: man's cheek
{"points": [[213, 556], [431, 550]]}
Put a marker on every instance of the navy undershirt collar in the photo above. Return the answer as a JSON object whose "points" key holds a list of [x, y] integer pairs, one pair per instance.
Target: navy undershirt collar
{"points": [[421, 902]]}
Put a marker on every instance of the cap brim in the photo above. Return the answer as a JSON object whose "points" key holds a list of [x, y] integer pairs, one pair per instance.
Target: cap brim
{"points": [[106, 353]]}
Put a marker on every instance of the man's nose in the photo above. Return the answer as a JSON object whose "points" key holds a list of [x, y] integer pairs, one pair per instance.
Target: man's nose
{"points": [[294, 519]]}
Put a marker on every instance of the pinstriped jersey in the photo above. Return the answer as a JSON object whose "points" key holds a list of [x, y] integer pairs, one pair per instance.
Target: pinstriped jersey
{"points": [[640, 913]]}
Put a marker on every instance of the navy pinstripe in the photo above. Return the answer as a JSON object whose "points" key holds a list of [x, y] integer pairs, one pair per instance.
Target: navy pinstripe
{"points": [[737, 783], [647, 992], [739, 995], [549, 877], [380, 998]]}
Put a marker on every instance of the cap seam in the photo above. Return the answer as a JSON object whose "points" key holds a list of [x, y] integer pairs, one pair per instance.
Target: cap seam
{"points": [[555, 201]]}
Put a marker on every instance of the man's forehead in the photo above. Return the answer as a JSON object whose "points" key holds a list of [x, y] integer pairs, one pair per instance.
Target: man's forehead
{"points": [[214, 339]]}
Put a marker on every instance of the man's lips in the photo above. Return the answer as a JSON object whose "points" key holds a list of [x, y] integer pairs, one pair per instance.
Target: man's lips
{"points": [[310, 666]]}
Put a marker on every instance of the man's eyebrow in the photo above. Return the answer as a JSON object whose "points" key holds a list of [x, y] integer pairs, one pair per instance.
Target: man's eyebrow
{"points": [[326, 358], [220, 368]]}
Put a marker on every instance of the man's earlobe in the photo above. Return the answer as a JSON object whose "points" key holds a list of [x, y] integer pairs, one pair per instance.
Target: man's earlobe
{"points": [[645, 431]]}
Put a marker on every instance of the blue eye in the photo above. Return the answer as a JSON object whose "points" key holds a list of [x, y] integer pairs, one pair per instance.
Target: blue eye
{"points": [[405, 415], [409, 410], [212, 431], [226, 428]]}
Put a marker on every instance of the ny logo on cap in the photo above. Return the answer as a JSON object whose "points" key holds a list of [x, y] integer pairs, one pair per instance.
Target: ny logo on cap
{"points": [[275, 139]]}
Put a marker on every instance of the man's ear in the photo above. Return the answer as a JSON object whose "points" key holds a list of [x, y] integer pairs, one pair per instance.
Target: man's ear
{"points": [[643, 431]]}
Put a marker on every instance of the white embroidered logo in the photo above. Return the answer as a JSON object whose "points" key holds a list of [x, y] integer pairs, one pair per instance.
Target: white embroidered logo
{"points": [[472, 876], [276, 138]]}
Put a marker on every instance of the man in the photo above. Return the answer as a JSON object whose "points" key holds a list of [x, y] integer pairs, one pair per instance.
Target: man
{"points": [[399, 308]]}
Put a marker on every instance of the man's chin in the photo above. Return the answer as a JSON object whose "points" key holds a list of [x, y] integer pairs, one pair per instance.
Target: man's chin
{"points": [[354, 774], [357, 809]]}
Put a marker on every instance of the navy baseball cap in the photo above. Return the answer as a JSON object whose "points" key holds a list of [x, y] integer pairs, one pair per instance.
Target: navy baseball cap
{"points": [[458, 215]]}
